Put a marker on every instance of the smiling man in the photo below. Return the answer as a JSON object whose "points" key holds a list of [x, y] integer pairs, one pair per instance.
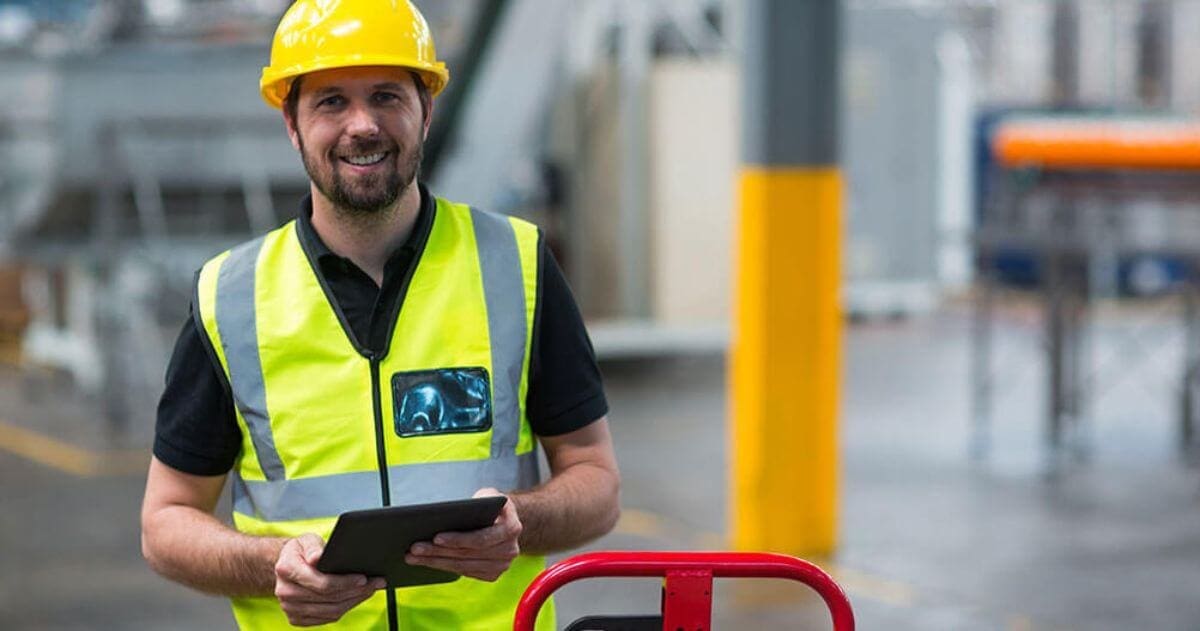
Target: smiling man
{"points": [[387, 347]]}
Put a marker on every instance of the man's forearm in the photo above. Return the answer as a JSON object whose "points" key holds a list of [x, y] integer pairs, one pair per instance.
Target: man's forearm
{"points": [[571, 509], [192, 547]]}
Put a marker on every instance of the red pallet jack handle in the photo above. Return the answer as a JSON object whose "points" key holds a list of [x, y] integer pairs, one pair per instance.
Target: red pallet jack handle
{"points": [[687, 592]]}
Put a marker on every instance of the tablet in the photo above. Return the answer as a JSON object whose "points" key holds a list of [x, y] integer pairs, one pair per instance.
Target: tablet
{"points": [[373, 542]]}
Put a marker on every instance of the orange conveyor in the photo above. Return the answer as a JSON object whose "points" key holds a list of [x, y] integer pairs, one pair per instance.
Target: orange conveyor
{"points": [[1092, 144]]}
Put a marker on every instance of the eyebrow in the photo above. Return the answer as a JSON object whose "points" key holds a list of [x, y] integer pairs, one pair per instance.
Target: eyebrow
{"points": [[330, 89], [333, 89], [388, 85]]}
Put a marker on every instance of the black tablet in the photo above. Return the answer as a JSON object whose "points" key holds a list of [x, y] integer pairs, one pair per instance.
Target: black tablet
{"points": [[373, 542]]}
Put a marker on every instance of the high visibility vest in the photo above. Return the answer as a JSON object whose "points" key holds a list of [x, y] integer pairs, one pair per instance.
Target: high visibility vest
{"points": [[320, 419]]}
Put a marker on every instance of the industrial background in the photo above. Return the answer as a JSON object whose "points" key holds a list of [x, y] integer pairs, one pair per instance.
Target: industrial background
{"points": [[947, 349]]}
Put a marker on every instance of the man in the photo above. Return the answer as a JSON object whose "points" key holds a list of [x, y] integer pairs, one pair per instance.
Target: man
{"points": [[386, 348]]}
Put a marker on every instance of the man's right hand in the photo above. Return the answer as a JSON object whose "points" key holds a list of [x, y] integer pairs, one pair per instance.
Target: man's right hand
{"points": [[310, 597]]}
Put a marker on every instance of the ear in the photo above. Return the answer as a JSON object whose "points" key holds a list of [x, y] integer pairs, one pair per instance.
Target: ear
{"points": [[428, 119], [290, 124]]}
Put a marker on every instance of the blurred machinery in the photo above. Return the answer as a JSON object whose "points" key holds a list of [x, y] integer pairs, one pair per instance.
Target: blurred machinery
{"points": [[657, 278], [644, 126], [1084, 197], [134, 165], [133, 145], [138, 147], [1113, 216], [909, 101]]}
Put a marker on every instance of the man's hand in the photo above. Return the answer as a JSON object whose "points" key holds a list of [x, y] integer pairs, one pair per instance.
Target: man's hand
{"points": [[484, 554], [310, 597]]}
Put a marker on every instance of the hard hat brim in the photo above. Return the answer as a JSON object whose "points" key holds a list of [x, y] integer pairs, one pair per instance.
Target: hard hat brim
{"points": [[276, 82]]}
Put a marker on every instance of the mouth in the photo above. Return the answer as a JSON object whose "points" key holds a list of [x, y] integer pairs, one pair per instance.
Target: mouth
{"points": [[366, 159]]}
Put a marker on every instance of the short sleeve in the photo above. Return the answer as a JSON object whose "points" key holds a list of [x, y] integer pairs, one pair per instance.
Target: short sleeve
{"points": [[566, 391], [196, 430]]}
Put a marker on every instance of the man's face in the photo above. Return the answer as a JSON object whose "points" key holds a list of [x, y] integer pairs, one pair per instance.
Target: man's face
{"points": [[360, 133]]}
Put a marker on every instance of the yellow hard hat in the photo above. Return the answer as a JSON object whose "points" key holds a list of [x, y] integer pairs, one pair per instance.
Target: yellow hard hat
{"points": [[322, 34]]}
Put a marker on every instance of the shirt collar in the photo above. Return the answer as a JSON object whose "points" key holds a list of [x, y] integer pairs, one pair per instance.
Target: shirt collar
{"points": [[320, 251]]}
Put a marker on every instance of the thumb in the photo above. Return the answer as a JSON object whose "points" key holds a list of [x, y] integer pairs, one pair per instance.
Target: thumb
{"points": [[311, 547], [507, 512]]}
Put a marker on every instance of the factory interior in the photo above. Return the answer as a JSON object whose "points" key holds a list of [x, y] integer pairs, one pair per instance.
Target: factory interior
{"points": [[959, 373]]}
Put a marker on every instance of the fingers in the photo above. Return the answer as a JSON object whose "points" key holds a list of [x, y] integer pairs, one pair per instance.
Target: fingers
{"points": [[294, 567], [482, 569], [309, 596], [506, 528], [498, 534], [504, 550], [484, 554], [294, 592], [311, 547], [311, 614]]}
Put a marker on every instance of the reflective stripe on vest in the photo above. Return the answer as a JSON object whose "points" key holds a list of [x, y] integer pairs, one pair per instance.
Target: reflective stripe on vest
{"points": [[504, 291], [308, 498], [236, 321]]}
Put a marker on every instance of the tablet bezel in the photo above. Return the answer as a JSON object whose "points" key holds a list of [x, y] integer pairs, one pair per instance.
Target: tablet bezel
{"points": [[374, 541]]}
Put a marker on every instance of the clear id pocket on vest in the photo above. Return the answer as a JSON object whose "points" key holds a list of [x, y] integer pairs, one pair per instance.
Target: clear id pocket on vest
{"points": [[442, 401]]}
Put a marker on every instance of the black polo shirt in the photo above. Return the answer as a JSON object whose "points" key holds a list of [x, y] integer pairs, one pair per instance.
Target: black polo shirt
{"points": [[197, 432]]}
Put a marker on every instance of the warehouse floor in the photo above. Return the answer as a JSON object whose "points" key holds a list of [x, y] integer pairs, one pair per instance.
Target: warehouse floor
{"points": [[929, 539]]}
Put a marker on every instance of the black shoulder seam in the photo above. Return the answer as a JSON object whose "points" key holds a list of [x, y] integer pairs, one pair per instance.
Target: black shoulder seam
{"points": [[534, 345]]}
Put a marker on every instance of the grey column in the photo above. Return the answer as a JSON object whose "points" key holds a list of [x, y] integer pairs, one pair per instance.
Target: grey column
{"points": [[791, 50]]}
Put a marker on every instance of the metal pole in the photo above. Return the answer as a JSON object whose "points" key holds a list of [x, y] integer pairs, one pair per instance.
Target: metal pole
{"points": [[1064, 61], [1191, 369], [786, 349], [633, 223], [983, 304], [1053, 292]]}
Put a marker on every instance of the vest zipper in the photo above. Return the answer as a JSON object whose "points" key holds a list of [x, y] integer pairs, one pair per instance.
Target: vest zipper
{"points": [[380, 450], [381, 455]]}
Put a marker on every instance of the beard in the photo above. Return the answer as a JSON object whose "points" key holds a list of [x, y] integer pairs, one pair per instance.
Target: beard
{"points": [[368, 194]]}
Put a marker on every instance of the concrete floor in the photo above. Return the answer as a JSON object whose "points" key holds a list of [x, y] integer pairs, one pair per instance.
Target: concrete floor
{"points": [[929, 540]]}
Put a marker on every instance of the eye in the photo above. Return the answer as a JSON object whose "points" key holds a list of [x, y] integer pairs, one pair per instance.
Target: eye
{"points": [[333, 100], [386, 97]]}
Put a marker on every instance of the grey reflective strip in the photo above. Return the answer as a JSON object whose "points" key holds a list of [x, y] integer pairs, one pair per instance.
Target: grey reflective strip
{"points": [[504, 291], [239, 338], [328, 496]]}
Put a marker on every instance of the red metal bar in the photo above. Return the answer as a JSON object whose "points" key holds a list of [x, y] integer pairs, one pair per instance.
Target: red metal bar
{"points": [[719, 564], [687, 600]]}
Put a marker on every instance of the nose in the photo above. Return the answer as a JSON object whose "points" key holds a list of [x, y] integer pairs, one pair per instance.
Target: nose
{"points": [[361, 122]]}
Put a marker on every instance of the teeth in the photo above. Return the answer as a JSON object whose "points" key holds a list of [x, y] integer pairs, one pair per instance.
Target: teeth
{"points": [[365, 160]]}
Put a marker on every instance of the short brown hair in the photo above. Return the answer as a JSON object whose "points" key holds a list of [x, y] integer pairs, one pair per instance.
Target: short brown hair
{"points": [[292, 102]]}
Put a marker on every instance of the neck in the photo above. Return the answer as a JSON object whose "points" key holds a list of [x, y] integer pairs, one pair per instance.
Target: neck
{"points": [[366, 239]]}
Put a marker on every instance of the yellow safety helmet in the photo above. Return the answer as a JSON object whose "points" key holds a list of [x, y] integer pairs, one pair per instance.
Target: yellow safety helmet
{"points": [[322, 34]]}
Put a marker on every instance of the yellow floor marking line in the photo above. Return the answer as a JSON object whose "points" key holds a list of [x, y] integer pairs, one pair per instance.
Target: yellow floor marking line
{"points": [[640, 523], [894, 593], [858, 584], [647, 524], [68, 458]]}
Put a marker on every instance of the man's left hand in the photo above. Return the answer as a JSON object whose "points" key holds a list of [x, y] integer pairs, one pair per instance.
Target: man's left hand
{"points": [[484, 554]]}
